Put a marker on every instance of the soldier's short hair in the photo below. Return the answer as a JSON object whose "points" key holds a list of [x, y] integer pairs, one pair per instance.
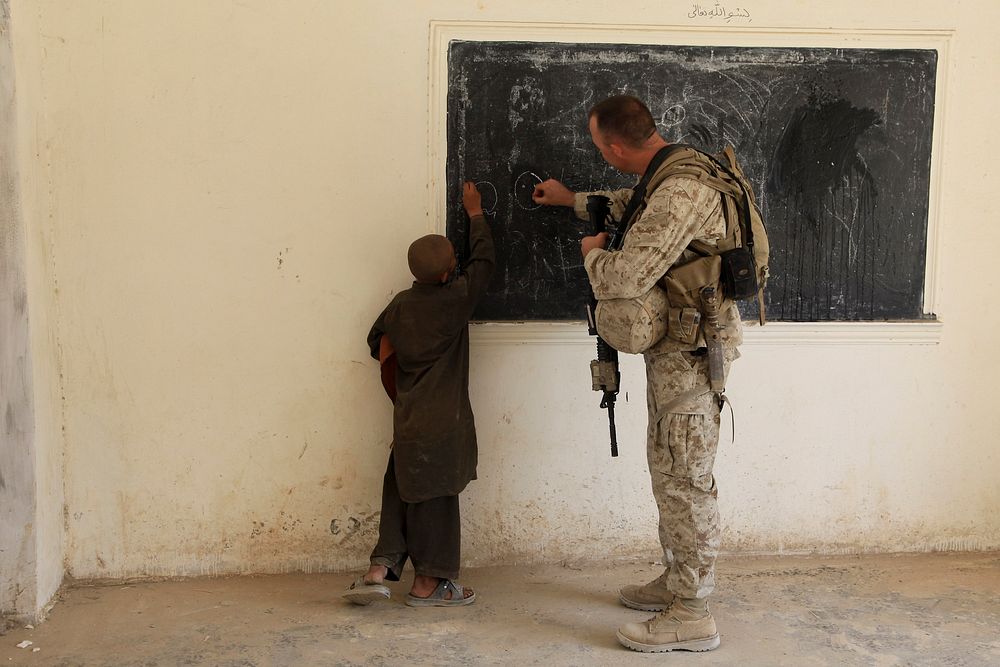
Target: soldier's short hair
{"points": [[625, 118], [430, 257]]}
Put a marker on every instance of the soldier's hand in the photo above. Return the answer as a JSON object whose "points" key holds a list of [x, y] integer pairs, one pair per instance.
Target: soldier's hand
{"points": [[588, 243], [552, 193], [471, 199]]}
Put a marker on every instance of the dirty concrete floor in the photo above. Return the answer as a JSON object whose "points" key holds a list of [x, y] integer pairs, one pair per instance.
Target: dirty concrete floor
{"points": [[931, 609]]}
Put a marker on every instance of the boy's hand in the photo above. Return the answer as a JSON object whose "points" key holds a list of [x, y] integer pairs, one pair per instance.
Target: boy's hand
{"points": [[471, 199], [553, 193]]}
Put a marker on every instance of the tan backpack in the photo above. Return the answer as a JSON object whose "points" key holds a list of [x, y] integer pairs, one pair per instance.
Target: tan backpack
{"points": [[745, 250]]}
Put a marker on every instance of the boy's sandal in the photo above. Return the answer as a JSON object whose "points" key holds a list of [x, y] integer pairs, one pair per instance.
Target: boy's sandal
{"points": [[361, 593], [438, 597]]}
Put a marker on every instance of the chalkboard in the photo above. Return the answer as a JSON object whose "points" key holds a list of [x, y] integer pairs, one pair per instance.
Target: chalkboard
{"points": [[837, 143]]}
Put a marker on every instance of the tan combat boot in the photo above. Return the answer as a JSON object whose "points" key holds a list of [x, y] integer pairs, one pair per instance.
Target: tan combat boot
{"points": [[653, 596], [676, 629]]}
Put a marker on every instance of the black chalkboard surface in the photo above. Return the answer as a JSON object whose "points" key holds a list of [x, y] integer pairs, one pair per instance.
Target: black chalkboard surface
{"points": [[836, 141]]}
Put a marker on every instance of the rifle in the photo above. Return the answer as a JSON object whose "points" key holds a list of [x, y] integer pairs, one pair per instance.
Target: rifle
{"points": [[604, 370]]}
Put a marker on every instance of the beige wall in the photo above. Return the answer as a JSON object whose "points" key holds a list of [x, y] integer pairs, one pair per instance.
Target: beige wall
{"points": [[224, 194]]}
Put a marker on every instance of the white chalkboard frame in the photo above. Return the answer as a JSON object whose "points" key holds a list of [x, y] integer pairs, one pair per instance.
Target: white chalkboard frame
{"points": [[921, 332]]}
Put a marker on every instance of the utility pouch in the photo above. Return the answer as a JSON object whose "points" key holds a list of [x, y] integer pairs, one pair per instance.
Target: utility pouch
{"points": [[683, 324], [738, 274], [683, 285]]}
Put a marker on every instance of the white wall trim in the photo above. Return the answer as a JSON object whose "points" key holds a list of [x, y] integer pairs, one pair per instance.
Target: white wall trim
{"points": [[773, 333]]}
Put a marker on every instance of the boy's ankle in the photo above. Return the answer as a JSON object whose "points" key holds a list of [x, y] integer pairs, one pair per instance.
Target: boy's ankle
{"points": [[376, 574]]}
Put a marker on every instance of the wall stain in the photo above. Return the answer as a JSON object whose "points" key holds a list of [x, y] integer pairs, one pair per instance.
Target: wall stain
{"points": [[337, 483], [363, 527], [288, 523], [10, 421]]}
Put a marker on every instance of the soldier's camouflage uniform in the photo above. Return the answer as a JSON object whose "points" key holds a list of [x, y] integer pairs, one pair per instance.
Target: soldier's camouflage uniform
{"points": [[681, 444]]}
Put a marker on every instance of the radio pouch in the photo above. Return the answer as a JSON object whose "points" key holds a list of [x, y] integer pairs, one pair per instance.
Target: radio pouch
{"points": [[738, 273]]}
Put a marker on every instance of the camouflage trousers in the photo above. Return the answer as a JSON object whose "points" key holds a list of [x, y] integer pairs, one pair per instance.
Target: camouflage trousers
{"points": [[680, 450]]}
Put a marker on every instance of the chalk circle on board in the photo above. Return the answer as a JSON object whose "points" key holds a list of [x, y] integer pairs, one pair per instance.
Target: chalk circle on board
{"points": [[673, 116], [524, 187], [489, 196]]}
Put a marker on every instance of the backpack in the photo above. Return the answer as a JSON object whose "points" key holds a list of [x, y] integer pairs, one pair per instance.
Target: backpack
{"points": [[744, 251]]}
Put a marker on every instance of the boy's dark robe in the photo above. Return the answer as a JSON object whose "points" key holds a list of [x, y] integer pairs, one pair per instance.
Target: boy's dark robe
{"points": [[434, 433]]}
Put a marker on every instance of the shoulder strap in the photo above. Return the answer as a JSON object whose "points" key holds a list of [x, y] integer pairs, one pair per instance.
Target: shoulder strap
{"points": [[639, 191], [745, 227]]}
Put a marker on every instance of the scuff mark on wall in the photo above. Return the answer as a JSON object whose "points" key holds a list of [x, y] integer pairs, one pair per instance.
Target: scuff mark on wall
{"points": [[288, 523], [363, 527], [10, 422]]}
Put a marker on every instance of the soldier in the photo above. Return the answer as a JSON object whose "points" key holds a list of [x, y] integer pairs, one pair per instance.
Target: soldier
{"points": [[683, 430]]}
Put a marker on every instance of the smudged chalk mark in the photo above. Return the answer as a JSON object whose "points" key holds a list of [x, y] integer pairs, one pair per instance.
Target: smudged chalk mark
{"points": [[489, 195], [526, 99], [818, 147], [702, 134], [833, 196]]}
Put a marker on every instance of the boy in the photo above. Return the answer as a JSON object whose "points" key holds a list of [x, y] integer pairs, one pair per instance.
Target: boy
{"points": [[434, 450]]}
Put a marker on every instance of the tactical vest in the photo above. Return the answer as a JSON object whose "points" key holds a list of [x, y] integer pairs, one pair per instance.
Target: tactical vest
{"points": [[737, 265]]}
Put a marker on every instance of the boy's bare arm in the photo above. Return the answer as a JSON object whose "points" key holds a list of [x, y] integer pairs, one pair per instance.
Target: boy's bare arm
{"points": [[385, 349], [375, 336]]}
